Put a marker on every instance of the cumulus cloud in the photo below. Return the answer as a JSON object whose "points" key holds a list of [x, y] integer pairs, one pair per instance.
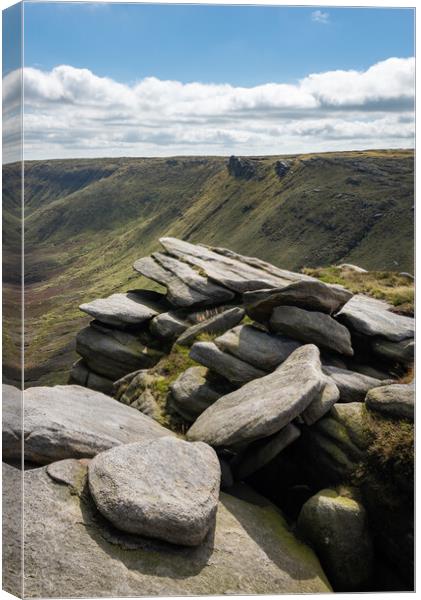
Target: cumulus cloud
{"points": [[71, 112], [320, 17]]}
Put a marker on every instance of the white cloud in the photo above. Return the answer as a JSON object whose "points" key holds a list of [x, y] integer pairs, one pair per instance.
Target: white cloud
{"points": [[72, 112], [320, 17]]}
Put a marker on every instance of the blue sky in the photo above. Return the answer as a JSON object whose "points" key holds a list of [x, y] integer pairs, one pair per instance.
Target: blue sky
{"points": [[165, 80], [241, 45]]}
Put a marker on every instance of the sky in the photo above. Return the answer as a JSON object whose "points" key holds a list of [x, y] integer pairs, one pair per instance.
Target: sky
{"points": [[159, 80]]}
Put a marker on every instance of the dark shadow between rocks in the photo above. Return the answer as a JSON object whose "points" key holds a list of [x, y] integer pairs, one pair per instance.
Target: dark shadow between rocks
{"points": [[284, 549]]}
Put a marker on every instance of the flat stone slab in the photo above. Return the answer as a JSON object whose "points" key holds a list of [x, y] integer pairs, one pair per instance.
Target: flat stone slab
{"points": [[396, 400], [235, 370], [63, 531], [113, 353], [312, 327], [215, 324], [372, 317], [264, 406], [191, 393], [168, 325], [263, 350], [128, 308], [310, 295], [352, 386], [227, 269], [163, 488], [185, 285], [70, 421]]}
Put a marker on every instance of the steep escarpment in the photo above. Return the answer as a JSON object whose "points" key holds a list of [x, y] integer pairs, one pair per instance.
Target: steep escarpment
{"points": [[88, 220]]}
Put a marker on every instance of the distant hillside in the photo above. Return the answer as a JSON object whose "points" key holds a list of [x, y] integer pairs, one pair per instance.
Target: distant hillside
{"points": [[88, 220]]}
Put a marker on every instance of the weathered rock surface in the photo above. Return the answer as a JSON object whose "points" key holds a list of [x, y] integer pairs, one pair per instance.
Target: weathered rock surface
{"points": [[264, 406], [185, 286], [216, 324], [312, 327], [337, 442], [260, 453], [310, 295], [256, 347], [71, 551], [401, 352], [69, 421], [322, 404], [114, 353], [128, 308], [163, 488], [191, 393], [349, 267], [12, 509], [80, 374], [397, 400], [235, 370], [373, 318], [352, 386], [236, 275], [169, 325], [336, 526]]}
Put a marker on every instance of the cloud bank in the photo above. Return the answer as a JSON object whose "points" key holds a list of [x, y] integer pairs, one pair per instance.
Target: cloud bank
{"points": [[72, 112]]}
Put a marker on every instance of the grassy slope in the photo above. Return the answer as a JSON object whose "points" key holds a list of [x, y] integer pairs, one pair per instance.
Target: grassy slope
{"points": [[88, 220]]}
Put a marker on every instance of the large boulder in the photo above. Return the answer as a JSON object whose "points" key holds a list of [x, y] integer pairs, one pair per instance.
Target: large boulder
{"points": [[185, 286], [72, 551], [233, 369], [69, 421], [192, 393], [113, 353], [336, 527], [310, 295], [216, 324], [257, 347], [312, 327], [372, 317], [264, 406], [353, 386], [128, 308], [397, 400], [163, 488]]}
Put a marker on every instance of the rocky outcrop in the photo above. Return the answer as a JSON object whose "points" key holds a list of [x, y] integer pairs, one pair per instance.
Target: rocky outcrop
{"points": [[99, 560], [163, 488], [241, 168], [69, 421], [216, 324], [352, 386]]}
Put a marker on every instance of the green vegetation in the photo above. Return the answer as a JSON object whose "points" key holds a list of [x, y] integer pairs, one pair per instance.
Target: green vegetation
{"points": [[87, 221], [396, 289]]}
